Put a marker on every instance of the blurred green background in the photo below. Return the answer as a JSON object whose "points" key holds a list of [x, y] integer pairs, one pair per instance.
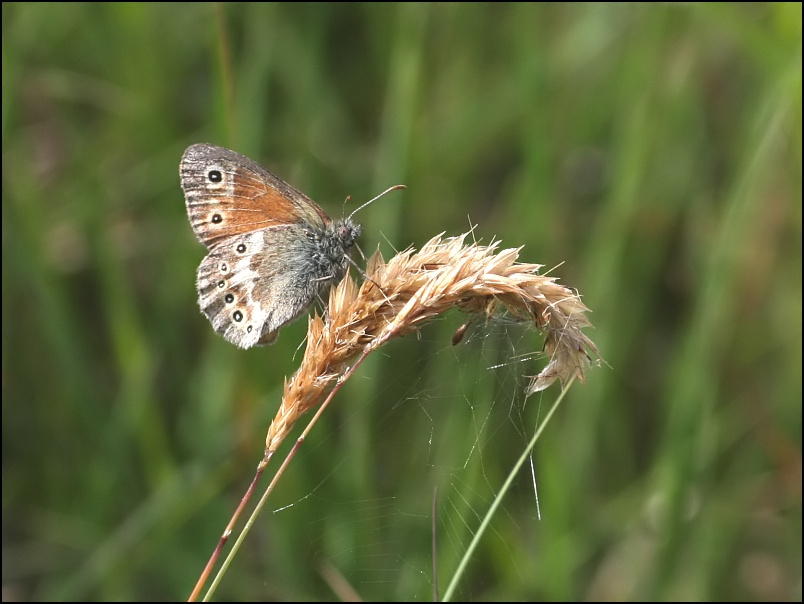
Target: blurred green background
{"points": [[654, 150]]}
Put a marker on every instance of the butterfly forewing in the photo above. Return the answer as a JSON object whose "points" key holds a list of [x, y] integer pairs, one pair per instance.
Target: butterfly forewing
{"points": [[227, 195]]}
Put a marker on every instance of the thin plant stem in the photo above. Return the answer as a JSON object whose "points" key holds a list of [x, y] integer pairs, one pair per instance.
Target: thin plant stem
{"points": [[500, 495], [435, 544], [202, 579]]}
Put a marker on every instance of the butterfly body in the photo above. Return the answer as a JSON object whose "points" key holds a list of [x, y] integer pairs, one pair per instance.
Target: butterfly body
{"points": [[272, 250]]}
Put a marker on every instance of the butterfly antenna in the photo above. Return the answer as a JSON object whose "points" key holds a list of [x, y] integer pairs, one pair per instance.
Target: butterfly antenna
{"points": [[388, 190], [345, 201]]}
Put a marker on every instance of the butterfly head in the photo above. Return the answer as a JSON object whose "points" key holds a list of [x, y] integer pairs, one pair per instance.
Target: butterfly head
{"points": [[347, 231]]}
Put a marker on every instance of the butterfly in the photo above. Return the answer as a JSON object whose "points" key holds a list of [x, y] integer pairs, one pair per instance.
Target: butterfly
{"points": [[272, 250]]}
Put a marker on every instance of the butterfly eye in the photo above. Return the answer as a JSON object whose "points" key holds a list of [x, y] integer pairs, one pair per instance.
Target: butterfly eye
{"points": [[237, 316], [221, 284], [217, 218], [215, 176], [241, 248], [229, 298]]}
